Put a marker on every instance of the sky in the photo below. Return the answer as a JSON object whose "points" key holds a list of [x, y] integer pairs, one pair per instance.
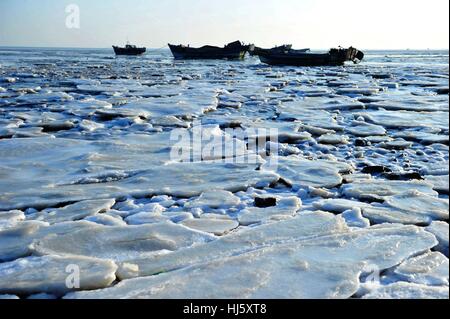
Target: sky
{"points": [[316, 24]]}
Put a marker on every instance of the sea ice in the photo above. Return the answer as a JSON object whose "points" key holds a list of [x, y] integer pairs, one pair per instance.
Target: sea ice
{"points": [[218, 227], [49, 274], [214, 199], [406, 119], [73, 212], [286, 208], [299, 171], [363, 129], [440, 183], [379, 189], [286, 270], [68, 170], [10, 219], [119, 243], [440, 230], [336, 205], [430, 269], [404, 290]]}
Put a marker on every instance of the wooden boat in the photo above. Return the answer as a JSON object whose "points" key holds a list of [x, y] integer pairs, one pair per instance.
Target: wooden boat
{"points": [[129, 50], [295, 58], [280, 49], [233, 51]]}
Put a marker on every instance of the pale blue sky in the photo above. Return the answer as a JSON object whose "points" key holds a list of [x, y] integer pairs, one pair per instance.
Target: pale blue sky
{"points": [[381, 24]]}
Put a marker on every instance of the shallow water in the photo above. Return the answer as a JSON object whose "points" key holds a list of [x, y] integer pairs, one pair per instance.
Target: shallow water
{"points": [[88, 136]]}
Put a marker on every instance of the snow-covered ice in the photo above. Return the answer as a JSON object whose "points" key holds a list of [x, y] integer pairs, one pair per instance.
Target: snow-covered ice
{"points": [[306, 180]]}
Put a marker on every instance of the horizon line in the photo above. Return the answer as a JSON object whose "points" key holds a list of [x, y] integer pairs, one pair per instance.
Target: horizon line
{"points": [[150, 48]]}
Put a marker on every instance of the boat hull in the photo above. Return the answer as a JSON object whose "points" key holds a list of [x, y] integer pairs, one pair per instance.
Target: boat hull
{"points": [[128, 51], [335, 57], [281, 49], [236, 52]]}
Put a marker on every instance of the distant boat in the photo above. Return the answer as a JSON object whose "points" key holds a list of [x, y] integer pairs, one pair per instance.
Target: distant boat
{"points": [[298, 58], [129, 50], [233, 51], [280, 49]]}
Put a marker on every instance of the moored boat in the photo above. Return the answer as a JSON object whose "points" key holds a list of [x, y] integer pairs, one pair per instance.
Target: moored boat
{"points": [[280, 49], [334, 57], [233, 51], [129, 50]]}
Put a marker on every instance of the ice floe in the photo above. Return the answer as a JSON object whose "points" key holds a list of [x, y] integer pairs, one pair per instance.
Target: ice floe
{"points": [[285, 268], [440, 230], [119, 243], [430, 269], [326, 175], [51, 274], [404, 290]]}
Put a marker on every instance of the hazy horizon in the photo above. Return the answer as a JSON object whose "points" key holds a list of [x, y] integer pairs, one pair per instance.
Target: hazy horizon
{"points": [[319, 24]]}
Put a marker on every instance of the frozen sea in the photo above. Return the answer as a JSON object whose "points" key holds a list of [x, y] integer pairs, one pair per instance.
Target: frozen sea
{"points": [[145, 177]]}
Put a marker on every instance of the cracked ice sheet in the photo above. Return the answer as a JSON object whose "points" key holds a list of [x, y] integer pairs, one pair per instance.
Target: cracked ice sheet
{"points": [[311, 117], [408, 208], [299, 171], [73, 212], [286, 208], [45, 172], [404, 290], [406, 119], [430, 269], [320, 234], [440, 230], [295, 269], [90, 239], [186, 106], [48, 274], [379, 189]]}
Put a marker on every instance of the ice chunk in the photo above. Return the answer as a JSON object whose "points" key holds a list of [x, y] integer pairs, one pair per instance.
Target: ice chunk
{"points": [[315, 232], [119, 243], [217, 227], [363, 129], [10, 219], [333, 139], [49, 274], [215, 199], [73, 212], [403, 290], [285, 208], [418, 203], [354, 218], [299, 171], [67, 170], [295, 269], [386, 214], [105, 219], [335, 205], [379, 189], [430, 269], [406, 119], [15, 242], [440, 183], [273, 272], [440, 230], [306, 225]]}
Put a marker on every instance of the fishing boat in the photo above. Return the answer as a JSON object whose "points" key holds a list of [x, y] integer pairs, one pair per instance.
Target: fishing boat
{"points": [[129, 50], [233, 51], [280, 49], [334, 57]]}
